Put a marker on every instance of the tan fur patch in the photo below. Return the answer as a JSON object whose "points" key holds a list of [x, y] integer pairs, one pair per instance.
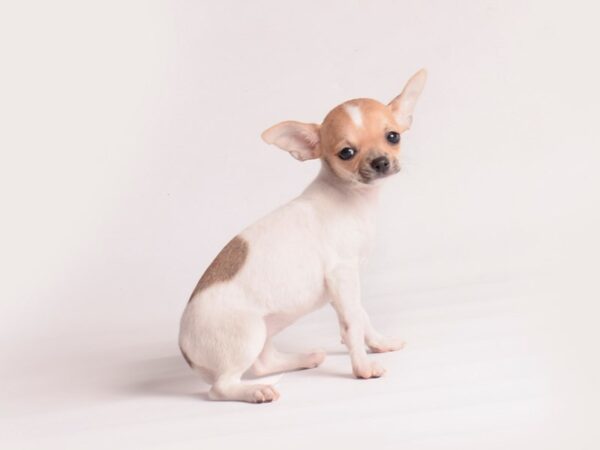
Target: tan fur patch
{"points": [[224, 267], [339, 130]]}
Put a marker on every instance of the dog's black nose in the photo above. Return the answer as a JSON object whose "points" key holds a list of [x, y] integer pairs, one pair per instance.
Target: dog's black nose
{"points": [[381, 164]]}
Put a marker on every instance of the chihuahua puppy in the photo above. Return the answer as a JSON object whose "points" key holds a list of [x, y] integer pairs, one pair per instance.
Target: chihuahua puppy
{"points": [[302, 256]]}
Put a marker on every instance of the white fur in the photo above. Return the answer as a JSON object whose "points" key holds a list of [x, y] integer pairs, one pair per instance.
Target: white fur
{"points": [[300, 257], [355, 114]]}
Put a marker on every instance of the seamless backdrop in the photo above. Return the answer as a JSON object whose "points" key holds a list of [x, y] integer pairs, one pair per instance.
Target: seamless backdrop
{"points": [[131, 153]]}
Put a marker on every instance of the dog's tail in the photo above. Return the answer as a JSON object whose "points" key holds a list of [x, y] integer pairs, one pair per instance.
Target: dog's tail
{"points": [[206, 374], [209, 377]]}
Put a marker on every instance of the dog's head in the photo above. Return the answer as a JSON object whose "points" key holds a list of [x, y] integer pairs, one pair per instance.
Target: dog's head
{"points": [[359, 139]]}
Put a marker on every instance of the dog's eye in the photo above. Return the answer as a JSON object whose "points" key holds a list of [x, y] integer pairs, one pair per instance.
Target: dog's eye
{"points": [[393, 137], [347, 153]]}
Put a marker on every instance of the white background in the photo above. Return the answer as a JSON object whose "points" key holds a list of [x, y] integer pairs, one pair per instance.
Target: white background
{"points": [[130, 153]]}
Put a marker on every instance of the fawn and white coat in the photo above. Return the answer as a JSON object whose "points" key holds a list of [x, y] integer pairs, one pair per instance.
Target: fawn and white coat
{"points": [[300, 257]]}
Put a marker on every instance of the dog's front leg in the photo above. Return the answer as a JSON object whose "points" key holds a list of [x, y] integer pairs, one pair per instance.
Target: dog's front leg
{"points": [[344, 288], [377, 342]]}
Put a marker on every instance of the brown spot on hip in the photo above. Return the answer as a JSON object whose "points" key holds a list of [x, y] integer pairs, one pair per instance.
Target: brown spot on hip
{"points": [[224, 267]]}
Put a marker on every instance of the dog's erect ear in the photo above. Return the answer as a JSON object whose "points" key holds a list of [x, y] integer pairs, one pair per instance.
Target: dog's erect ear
{"points": [[404, 105], [300, 139]]}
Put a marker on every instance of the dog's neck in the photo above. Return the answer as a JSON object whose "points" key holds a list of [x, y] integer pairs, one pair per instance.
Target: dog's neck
{"points": [[346, 193]]}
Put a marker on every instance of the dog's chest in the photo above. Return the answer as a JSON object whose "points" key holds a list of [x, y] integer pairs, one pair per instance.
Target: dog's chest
{"points": [[349, 233]]}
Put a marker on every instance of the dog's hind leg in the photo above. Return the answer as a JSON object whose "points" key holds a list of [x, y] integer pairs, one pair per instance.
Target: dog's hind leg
{"points": [[231, 345], [272, 361]]}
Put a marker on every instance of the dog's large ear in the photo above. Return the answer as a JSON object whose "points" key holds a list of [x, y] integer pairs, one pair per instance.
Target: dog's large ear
{"points": [[301, 140], [403, 106]]}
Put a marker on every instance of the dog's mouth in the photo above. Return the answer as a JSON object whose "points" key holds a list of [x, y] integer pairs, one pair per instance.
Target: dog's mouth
{"points": [[367, 175]]}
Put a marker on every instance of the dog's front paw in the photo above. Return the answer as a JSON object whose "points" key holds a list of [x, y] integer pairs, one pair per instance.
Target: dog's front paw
{"points": [[368, 369], [386, 345]]}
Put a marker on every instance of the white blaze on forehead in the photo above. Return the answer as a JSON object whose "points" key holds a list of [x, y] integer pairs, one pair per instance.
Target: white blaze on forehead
{"points": [[354, 112]]}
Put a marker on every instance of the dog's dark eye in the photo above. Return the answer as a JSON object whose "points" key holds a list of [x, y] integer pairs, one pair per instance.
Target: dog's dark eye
{"points": [[393, 137], [347, 153]]}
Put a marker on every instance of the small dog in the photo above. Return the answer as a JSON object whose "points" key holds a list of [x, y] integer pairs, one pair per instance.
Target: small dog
{"points": [[301, 256]]}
